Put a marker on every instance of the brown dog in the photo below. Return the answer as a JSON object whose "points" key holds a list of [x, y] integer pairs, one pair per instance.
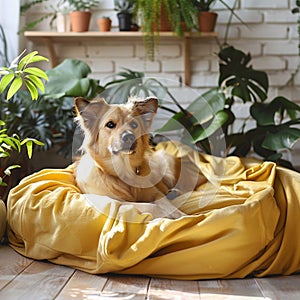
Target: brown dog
{"points": [[118, 161]]}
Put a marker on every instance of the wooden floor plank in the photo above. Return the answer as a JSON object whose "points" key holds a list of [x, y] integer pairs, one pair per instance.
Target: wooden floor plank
{"points": [[41, 280], [23, 278], [239, 289], [173, 289], [83, 286], [11, 264], [280, 287], [125, 287]]}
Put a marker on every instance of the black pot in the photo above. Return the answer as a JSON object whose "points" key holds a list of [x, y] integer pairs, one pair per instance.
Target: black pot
{"points": [[124, 21]]}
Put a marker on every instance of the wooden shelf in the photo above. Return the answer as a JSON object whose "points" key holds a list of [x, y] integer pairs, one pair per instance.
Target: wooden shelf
{"points": [[49, 38]]}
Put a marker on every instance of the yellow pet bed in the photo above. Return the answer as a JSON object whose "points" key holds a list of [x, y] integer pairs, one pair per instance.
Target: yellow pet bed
{"points": [[243, 221]]}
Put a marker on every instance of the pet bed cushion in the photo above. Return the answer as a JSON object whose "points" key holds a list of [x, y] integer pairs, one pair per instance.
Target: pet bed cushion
{"points": [[243, 221]]}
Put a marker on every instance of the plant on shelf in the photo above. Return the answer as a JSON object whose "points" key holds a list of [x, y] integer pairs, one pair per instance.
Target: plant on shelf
{"points": [[82, 5], [204, 5], [125, 11], [81, 14], [61, 7], [104, 23], [176, 12], [206, 18]]}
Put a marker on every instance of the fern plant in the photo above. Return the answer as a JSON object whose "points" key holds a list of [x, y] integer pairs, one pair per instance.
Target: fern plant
{"points": [[178, 12]]}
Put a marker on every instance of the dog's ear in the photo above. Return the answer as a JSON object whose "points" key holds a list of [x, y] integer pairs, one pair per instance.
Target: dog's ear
{"points": [[80, 105], [146, 109], [88, 112]]}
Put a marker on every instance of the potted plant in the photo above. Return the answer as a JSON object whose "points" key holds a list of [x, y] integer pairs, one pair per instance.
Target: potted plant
{"points": [[63, 19], [177, 12], [104, 24], [19, 73], [60, 12], [206, 18], [125, 10], [81, 14]]}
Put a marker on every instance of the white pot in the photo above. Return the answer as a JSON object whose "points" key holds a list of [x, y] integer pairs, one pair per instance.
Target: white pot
{"points": [[63, 22]]}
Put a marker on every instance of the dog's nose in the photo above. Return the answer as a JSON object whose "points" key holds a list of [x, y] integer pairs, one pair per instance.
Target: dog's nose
{"points": [[128, 137]]}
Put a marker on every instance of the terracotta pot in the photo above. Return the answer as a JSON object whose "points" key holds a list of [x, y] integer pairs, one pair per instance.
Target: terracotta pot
{"points": [[207, 21], [104, 24], [80, 20]]}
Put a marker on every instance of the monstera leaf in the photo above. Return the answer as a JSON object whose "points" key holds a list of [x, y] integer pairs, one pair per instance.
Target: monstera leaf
{"points": [[131, 83], [265, 113], [201, 118], [70, 78], [276, 123], [245, 82]]}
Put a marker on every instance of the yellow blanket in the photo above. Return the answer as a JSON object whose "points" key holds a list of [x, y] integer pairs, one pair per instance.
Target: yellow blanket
{"points": [[244, 221]]}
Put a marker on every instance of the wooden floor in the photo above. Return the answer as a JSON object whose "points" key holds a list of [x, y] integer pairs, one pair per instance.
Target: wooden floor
{"points": [[23, 278]]}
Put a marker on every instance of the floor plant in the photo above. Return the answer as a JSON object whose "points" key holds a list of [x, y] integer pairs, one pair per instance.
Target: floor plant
{"points": [[20, 73]]}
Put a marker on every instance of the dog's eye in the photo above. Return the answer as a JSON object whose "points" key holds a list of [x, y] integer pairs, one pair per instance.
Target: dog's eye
{"points": [[110, 124], [134, 125]]}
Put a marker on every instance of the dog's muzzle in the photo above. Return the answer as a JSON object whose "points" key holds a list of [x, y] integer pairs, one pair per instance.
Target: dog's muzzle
{"points": [[127, 143]]}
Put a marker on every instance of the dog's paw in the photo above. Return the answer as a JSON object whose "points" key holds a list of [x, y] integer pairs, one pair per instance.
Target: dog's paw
{"points": [[173, 193]]}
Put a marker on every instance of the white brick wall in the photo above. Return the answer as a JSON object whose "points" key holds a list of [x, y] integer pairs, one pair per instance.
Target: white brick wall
{"points": [[270, 36]]}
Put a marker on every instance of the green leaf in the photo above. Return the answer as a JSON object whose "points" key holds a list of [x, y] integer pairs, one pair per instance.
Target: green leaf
{"points": [[174, 123], [5, 81], [246, 83], [37, 72], [14, 63], [32, 89], [15, 86], [4, 154], [204, 107], [29, 146], [70, 67], [70, 78], [36, 81], [201, 133], [25, 60], [284, 138], [31, 59], [201, 110], [39, 143], [261, 113], [7, 171], [264, 113], [2, 183]]}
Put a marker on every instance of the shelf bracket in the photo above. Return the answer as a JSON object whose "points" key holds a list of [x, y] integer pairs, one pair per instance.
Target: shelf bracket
{"points": [[187, 61], [53, 58]]}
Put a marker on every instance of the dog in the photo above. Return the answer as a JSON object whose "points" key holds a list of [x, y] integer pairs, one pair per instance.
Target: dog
{"points": [[118, 160]]}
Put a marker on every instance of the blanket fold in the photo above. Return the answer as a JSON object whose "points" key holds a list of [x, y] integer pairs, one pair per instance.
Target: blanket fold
{"points": [[243, 221]]}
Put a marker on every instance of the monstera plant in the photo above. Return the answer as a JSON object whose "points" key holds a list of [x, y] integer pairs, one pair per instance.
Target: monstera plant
{"points": [[212, 114]]}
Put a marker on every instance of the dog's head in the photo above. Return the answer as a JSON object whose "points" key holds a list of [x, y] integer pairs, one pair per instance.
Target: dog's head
{"points": [[116, 129]]}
